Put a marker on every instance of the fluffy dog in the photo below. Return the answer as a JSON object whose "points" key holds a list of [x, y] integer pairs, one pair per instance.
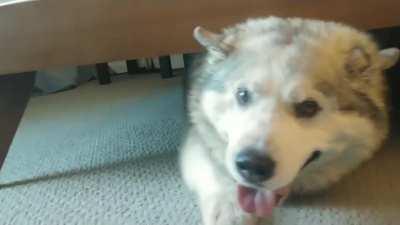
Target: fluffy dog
{"points": [[280, 106]]}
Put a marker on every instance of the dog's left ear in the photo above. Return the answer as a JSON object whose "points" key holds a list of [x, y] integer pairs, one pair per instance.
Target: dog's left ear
{"points": [[388, 57], [359, 61]]}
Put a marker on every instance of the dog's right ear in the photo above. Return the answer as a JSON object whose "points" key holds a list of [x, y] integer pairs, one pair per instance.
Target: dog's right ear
{"points": [[213, 42]]}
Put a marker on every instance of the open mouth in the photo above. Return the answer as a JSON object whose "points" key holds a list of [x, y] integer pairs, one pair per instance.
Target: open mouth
{"points": [[261, 202]]}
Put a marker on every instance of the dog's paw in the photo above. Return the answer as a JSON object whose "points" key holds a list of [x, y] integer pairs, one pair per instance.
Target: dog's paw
{"points": [[221, 212]]}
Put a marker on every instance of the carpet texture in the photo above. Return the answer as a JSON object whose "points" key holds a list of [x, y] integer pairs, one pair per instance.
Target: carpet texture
{"points": [[106, 155]]}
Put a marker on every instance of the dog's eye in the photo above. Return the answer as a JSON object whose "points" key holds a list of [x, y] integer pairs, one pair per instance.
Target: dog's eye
{"points": [[243, 96], [307, 108]]}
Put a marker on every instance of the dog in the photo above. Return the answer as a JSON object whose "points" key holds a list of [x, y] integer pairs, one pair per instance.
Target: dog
{"points": [[280, 106]]}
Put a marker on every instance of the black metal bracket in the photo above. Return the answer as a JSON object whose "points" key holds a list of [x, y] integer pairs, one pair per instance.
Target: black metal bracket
{"points": [[103, 73]]}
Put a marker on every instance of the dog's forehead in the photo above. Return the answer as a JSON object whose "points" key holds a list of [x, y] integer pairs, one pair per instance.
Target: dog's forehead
{"points": [[286, 55], [274, 70], [274, 55]]}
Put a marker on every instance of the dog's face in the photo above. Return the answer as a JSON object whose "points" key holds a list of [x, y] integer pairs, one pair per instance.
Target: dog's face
{"points": [[284, 97]]}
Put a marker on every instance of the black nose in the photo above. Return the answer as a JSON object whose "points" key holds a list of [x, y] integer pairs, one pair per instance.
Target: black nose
{"points": [[255, 166]]}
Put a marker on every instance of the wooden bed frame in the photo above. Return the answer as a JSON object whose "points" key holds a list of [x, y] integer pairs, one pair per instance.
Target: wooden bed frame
{"points": [[54, 33]]}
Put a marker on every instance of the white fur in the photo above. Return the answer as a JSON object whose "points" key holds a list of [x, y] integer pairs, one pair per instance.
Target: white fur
{"points": [[280, 61]]}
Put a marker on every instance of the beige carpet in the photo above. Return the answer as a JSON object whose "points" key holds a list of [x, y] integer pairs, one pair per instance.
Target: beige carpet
{"points": [[106, 155]]}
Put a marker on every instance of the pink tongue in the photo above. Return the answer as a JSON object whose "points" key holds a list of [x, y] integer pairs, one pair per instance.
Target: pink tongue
{"points": [[257, 201]]}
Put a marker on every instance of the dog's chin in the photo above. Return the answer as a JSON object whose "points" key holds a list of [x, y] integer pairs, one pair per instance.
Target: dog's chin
{"points": [[260, 201]]}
